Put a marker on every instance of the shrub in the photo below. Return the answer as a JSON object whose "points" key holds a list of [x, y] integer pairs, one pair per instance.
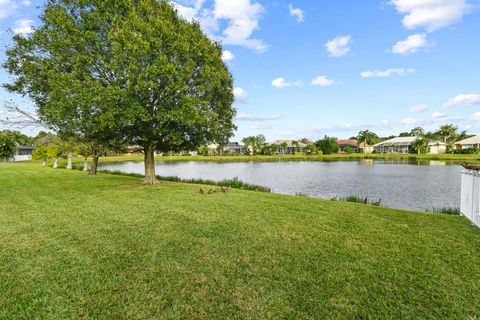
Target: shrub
{"points": [[467, 151], [348, 150]]}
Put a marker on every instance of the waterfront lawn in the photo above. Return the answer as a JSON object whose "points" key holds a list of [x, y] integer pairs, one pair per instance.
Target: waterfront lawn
{"points": [[107, 247]]}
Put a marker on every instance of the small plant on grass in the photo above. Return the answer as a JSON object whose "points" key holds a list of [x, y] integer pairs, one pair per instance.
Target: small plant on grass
{"points": [[447, 210], [353, 199]]}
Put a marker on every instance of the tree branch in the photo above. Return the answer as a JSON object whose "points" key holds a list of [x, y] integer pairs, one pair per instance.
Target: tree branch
{"points": [[18, 118]]}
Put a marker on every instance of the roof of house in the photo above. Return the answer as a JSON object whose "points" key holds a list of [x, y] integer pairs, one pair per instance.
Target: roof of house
{"points": [[234, 144], [25, 147], [405, 141], [349, 142], [472, 140]]}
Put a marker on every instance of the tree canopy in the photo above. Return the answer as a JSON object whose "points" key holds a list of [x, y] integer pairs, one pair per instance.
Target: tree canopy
{"points": [[327, 145], [367, 136], [256, 142], [7, 146], [127, 70]]}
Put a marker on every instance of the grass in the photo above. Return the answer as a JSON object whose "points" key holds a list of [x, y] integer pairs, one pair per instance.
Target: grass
{"points": [[107, 247]]}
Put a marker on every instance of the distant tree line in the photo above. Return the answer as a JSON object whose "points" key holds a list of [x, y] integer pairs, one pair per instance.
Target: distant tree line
{"points": [[447, 133]]}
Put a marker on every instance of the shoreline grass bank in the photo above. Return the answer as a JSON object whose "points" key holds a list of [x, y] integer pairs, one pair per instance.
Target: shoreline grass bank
{"points": [[74, 246]]}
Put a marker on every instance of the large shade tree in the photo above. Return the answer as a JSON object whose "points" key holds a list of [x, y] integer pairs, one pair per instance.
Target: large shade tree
{"points": [[327, 145], [128, 71]]}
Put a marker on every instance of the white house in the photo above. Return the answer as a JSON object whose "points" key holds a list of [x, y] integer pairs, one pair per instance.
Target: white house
{"points": [[470, 198], [289, 146], [473, 142], [23, 153], [405, 145], [230, 148]]}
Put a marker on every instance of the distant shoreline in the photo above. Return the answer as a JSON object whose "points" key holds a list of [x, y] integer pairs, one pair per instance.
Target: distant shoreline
{"points": [[452, 158]]}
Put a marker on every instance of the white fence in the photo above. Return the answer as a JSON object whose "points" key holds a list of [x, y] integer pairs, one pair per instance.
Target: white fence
{"points": [[470, 203]]}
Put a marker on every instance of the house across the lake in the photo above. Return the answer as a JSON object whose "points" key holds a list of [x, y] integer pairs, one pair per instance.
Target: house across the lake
{"points": [[23, 153], [345, 144], [289, 146], [366, 148], [234, 148], [405, 145], [473, 142]]}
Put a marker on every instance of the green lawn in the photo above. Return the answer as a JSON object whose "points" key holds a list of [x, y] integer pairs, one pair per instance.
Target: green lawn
{"points": [[106, 247]]}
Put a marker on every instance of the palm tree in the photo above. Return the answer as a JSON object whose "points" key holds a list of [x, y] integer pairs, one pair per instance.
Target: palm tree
{"points": [[421, 144], [367, 137], [296, 146]]}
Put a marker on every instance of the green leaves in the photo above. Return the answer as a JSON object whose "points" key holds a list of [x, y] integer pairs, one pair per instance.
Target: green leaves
{"points": [[7, 146], [130, 71]]}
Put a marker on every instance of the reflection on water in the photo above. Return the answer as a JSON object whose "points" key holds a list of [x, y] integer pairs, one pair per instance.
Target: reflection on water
{"points": [[406, 185]]}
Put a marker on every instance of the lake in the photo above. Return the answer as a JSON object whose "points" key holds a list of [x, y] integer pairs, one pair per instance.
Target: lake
{"points": [[401, 185]]}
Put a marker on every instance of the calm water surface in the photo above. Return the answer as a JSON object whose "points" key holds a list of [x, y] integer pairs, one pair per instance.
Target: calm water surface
{"points": [[399, 184]]}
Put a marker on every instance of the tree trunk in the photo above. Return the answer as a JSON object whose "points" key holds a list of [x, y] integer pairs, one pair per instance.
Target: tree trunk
{"points": [[69, 165], [150, 177], [93, 169], [85, 165]]}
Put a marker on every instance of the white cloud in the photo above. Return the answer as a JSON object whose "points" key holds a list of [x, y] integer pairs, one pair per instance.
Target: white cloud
{"points": [[410, 121], [239, 19], [256, 117], [463, 99], [438, 115], [297, 13], [26, 3], [282, 83], [430, 14], [261, 126], [386, 73], [476, 116], [23, 27], [240, 94], [242, 17], [6, 8], [227, 56], [322, 81], [412, 44], [338, 46], [188, 12], [418, 108]]}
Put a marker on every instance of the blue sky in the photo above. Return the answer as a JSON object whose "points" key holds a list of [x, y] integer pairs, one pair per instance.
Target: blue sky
{"points": [[305, 68]]}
